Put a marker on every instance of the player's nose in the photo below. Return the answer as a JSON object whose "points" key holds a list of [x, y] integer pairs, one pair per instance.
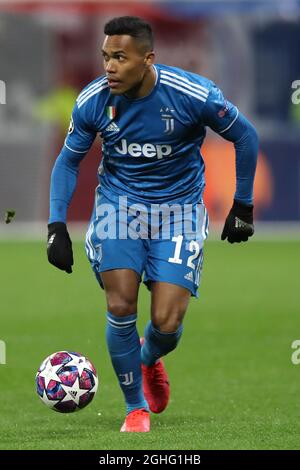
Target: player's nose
{"points": [[110, 67]]}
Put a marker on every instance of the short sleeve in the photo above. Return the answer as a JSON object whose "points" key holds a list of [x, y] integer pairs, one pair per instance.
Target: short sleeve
{"points": [[218, 113]]}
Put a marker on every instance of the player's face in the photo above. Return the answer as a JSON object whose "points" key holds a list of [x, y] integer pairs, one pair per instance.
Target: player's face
{"points": [[128, 67]]}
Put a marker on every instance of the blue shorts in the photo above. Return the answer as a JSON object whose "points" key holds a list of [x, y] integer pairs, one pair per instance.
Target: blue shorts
{"points": [[160, 245]]}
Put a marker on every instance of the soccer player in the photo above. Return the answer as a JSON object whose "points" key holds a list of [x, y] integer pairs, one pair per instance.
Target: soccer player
{"points": [[151, 119]]}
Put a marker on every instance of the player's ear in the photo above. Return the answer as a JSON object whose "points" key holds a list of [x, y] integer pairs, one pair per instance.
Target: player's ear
{"points": [[149, 59]]}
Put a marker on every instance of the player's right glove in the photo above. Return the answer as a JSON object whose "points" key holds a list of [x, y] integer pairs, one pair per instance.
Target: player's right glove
{"points": [[239, 223], [59, 247]]}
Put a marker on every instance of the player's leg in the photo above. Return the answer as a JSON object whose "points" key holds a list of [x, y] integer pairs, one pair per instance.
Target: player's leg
{"points": [[173, 273], [118, 264], [169, 303], [121, 290]]}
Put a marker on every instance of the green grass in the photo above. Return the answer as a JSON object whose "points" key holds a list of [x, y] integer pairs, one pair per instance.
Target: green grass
{"points": [[233, 383]]}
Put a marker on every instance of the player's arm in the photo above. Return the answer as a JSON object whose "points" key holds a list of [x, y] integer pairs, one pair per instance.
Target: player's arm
{"points": [[225, 119], [63, 183]]}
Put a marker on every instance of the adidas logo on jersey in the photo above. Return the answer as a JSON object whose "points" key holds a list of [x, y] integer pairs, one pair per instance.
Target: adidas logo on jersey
{"points": [[189, 276], [112, 127]]}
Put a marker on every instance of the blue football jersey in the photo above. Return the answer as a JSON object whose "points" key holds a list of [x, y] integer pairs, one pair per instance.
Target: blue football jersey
{"points": [[151, 146]]}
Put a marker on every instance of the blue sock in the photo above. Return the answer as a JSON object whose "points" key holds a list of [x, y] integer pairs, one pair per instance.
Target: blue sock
{"points": [[158, 344], [125, 351]]}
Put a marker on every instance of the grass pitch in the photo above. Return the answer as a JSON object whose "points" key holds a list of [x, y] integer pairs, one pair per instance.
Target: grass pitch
{"points": [[233, 383]]}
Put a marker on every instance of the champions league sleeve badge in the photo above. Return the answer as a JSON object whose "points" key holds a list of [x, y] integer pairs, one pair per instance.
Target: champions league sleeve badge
{"points": [[71, 126]]}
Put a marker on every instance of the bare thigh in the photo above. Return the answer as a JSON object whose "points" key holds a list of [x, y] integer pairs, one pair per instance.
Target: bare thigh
{"points": [[121, 289], [169, 303]]}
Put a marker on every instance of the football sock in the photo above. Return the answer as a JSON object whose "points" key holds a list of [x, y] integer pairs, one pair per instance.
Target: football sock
{"points": [[158, 344], [125, 351]]}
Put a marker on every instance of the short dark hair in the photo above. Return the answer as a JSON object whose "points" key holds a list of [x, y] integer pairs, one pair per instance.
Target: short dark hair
{"points": [[133, 26]]}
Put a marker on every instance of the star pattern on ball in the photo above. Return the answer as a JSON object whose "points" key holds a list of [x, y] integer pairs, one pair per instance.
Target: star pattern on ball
{"points": [[79, 362], [73, 393], [50, 373]]}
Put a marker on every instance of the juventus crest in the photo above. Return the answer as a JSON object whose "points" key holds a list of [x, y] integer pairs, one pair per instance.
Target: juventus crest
{"points": [[167, 117]]}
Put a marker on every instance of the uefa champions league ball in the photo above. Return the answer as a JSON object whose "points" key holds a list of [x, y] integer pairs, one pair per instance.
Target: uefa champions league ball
{"points": [[66, 381]]}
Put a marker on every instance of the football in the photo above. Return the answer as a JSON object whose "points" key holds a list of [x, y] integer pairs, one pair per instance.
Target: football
{"points": [[66, 381]]}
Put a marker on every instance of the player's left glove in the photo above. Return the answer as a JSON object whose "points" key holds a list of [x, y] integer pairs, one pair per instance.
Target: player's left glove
{"points": [[239, 223], [59, 247]]}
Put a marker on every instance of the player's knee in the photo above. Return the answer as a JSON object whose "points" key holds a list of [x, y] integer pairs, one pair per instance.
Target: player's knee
{"points": [[122, 307], [166, 322]]}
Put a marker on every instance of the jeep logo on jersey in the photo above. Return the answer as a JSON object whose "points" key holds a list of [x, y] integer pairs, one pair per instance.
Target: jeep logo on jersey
{"points": [[145, 150]]}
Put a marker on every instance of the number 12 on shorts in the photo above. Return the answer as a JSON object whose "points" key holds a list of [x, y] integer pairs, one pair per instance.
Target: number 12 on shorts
{"points": [[193, 248]]}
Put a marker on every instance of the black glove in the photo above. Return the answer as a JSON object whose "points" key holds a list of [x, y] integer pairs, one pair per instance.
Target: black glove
{"points": [[239, 223], [59, 247]]}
